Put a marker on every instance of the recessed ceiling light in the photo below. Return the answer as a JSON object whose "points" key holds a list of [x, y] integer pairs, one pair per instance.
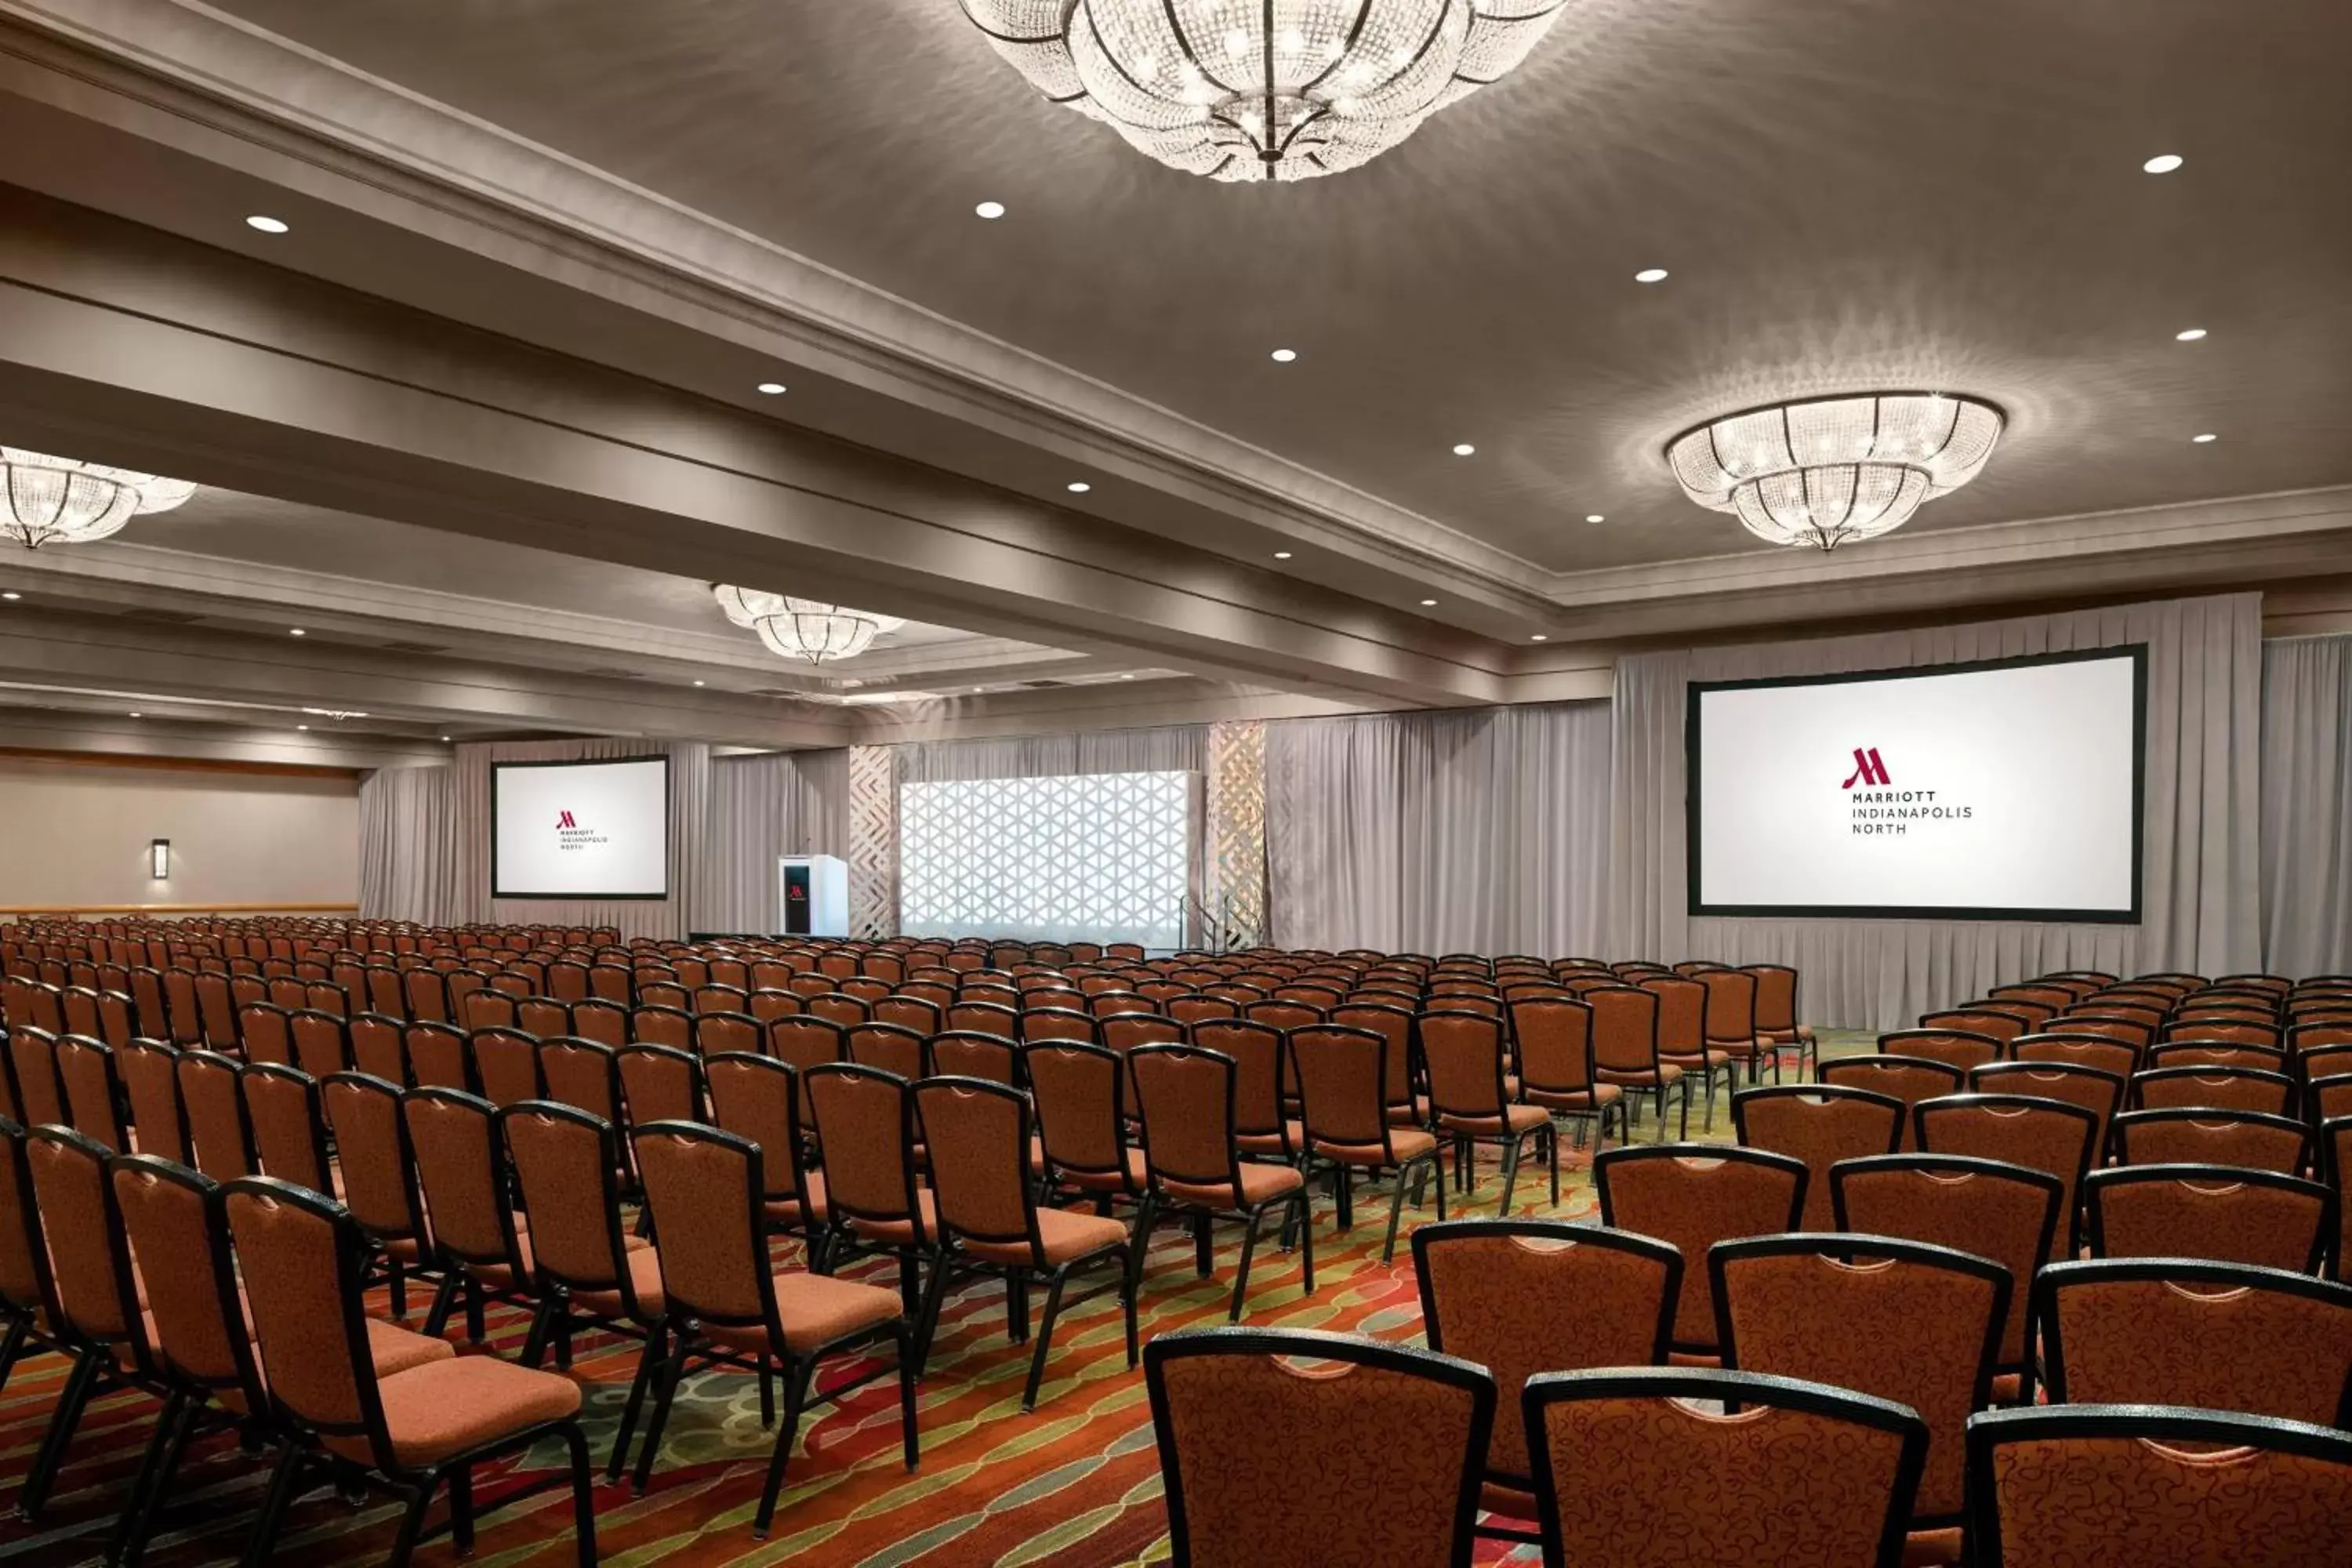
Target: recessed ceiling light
{"points": [[1078, 487], [2192, 336], [444, 737], [1127, 677], [1650, 275], [1425, 603], [1282, 555], [1540, 636], [1284, 356], [2163, 163], [990, 210], [1463, 449], [301, 726], [11, 594], [1594, 517], [139, 715], [2209, 436], [266, 224], [296, 632], [698, 683], [771, 388]]}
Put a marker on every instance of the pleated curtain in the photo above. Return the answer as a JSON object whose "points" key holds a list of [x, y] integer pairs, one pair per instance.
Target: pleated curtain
{"points": [[2306, 816], [762, 806], [408, 845]]}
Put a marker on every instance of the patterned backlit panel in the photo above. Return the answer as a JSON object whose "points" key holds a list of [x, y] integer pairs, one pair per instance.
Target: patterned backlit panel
{"points": [[873, 842], [1236, 902], [1075, 857]]}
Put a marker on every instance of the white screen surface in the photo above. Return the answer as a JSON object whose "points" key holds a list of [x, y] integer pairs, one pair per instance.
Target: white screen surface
{"points": [[580, 830], [2007, 791], [1074, 857]]}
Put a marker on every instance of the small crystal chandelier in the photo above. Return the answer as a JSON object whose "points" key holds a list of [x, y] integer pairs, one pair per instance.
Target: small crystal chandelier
{"points": [[803, 628], [63, 500], [1261, 90], [1833, 470]]}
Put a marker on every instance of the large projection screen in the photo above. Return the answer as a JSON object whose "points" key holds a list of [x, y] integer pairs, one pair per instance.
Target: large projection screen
{"points": [[580, 830], [2009, 789], [1096, 857]]}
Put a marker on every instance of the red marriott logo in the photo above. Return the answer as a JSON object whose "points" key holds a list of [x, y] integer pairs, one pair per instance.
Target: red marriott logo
{"points": [[1867, 769], [563, 819]]}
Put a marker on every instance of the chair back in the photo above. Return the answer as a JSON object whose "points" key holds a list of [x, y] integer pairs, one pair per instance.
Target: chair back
{"points": [[172, 1218], [267, 1032], [439, 1055], [93, 1090], [210, 1093], [582, 1073], [718, 1032], [97, 1295], [885, 1048], [302, 1257], [1609, 1449], [1489, 1294], [704, 1188], [2077, 1484], [2260, 1218], [564, 1163], [758, 1099], [1463, 1053], [1960, 1048], [964, 1052], [977, 1133], [150, 1071], [2218, 1336], [2194, 1136], [506, 1066], [1224, 1399], [455, 1138], [1908, 1322], [1185, 1097], [2001, 1023], [289, 1132], [866, 1122], [1682, 1013], [1081, 1105], [602, 1020], [1554, 1044], [322, 1042], [1690, 1196], [1910, 1079], [1731, 1010], [655, 1024], [2214, 1088], [2041, 1134], [659, 1083], [371, 1147], [1343, 1088], [1819, 1124], [2100, 1093], [32, 1069]]}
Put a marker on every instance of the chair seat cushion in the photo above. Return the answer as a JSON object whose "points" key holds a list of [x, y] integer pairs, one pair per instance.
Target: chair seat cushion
{"points": [[1062, 1236], [1404, 1144], [1690, 1061], [1260, 1184], [397, 1350], [1667, 1073], [1515, 1119], [1134, 1179], [1413, 1115], [446, 1408], [901, 1232], [813, 1311], [789, 1212], [644, 1282], [1600, 1094], [1271, 1142]]}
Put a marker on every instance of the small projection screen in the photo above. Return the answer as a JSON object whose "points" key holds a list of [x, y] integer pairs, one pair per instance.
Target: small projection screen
{"points": [[580, 830], [2009, 789]]}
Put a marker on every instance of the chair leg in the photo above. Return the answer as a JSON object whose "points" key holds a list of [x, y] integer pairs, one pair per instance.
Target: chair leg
{"points": [[796, 1395], [1510, 1175], [584, 1494], [11, 1347], [1396, 1212], [1044, 1338], [1306, 1238], [1551, 1146], [656, 1340], [907, 1434], [1685, 1132], [477, 1305], [147, 1485], [542, 1325], [664, 1391], [59, 1437], [263, 1542], [926, 1325], [767, 1394], [436, 1317], [461, 1509], [1147, 1218], [396, 1275], [412, 1525], [1204, 1258], [1241, 1275], [1127, 1293]]}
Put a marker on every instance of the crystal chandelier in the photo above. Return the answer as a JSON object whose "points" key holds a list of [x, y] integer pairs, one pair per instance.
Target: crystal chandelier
{"points": [[1833, 470], [63, 500], [1261, 90], [803, 628]]}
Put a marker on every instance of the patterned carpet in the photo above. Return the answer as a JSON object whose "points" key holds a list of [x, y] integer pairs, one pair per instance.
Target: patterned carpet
{"points": [[1076, 1484]]}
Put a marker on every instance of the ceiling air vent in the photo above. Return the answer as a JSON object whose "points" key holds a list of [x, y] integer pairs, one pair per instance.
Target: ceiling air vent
{"points": [[414, 647]]}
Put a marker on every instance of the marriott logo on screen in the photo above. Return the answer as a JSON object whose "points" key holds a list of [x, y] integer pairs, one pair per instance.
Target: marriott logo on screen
{"points": [[1882, 811], [570, 835]]}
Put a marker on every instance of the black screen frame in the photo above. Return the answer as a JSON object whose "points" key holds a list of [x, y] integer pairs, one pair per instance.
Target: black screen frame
{"points": [[1692, 846], [668, 800]]}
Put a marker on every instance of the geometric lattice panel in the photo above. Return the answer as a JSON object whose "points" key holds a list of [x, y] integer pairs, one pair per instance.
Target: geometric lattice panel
{"points": [[873, 843], [1236, 902], [1072, 858]]}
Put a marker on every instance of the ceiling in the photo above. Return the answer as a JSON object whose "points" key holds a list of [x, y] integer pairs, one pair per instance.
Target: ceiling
{"points": [[486, 417], [1846, 197]]}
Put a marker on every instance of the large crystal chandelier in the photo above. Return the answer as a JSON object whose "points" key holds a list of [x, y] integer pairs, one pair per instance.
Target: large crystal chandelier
{"points": [[1261, 90], [803, 628], [63, 500], [1833, 470]]}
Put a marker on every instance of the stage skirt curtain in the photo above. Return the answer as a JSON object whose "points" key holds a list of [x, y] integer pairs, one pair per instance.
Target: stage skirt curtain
{"points": [[781, 803], [2201, 886], [689, 813], [408, 845], [1172, 749], [2306, 817], [1481, 831]]}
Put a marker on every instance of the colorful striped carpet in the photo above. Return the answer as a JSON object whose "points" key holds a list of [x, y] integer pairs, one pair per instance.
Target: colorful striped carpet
{"points": [[1076, 1484]]}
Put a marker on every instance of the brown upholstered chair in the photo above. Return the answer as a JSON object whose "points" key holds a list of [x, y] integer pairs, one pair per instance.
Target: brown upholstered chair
{"points": [[1637, 1469], [216, 1115], [439, 1055], [1474, 1101], [2001, 1023], [2198, 1137], [582, 1073], [1554, 1036], [866, 1125], [290, 1130], [379, 1046], [2008, 1214], [603, 1021], [2119, 1057], [1908, 1322], [1343, 1077], [728, 1305], [2047, 1135], [93, 1089], [1819, 1124], [2080, 1484], [1776, 1018], [1960, 1048], [1681, 1040], [1626, 1050], [322, 1040], [1907, 1079], [759, 1098], [505, 1065], [1192, 1155], [1264, 1086], [1081, 1105], [2229, 1215], [2214, 1088], [1490, 1293], [885, 1048], [40, 1097], [151, 1086], [979, 1134], [1398, 1437], [378, 1175], [661, 1026], [2100, 1093], [304, 1261], [660, 1083], [2218, 1336], [478, 1247], [1690, 1196], [266, 1034]]}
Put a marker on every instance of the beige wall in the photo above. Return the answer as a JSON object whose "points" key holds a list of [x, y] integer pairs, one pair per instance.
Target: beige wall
{"points": [[74, 835]]}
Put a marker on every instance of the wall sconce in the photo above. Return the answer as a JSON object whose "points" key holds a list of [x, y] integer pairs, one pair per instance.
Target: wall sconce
{"points": [[159, 859]]}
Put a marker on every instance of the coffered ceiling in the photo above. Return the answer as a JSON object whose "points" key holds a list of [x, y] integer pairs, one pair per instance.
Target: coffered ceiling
{"points": [[542, 252]]}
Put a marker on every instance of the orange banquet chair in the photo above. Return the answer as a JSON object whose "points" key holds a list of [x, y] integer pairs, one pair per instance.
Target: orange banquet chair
{"points": [[1910, 1079], [2219, 1212], [2047, 1135], [1398, 1437], [1343, 1085], [1690, 1196], [1819, 1124]]}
